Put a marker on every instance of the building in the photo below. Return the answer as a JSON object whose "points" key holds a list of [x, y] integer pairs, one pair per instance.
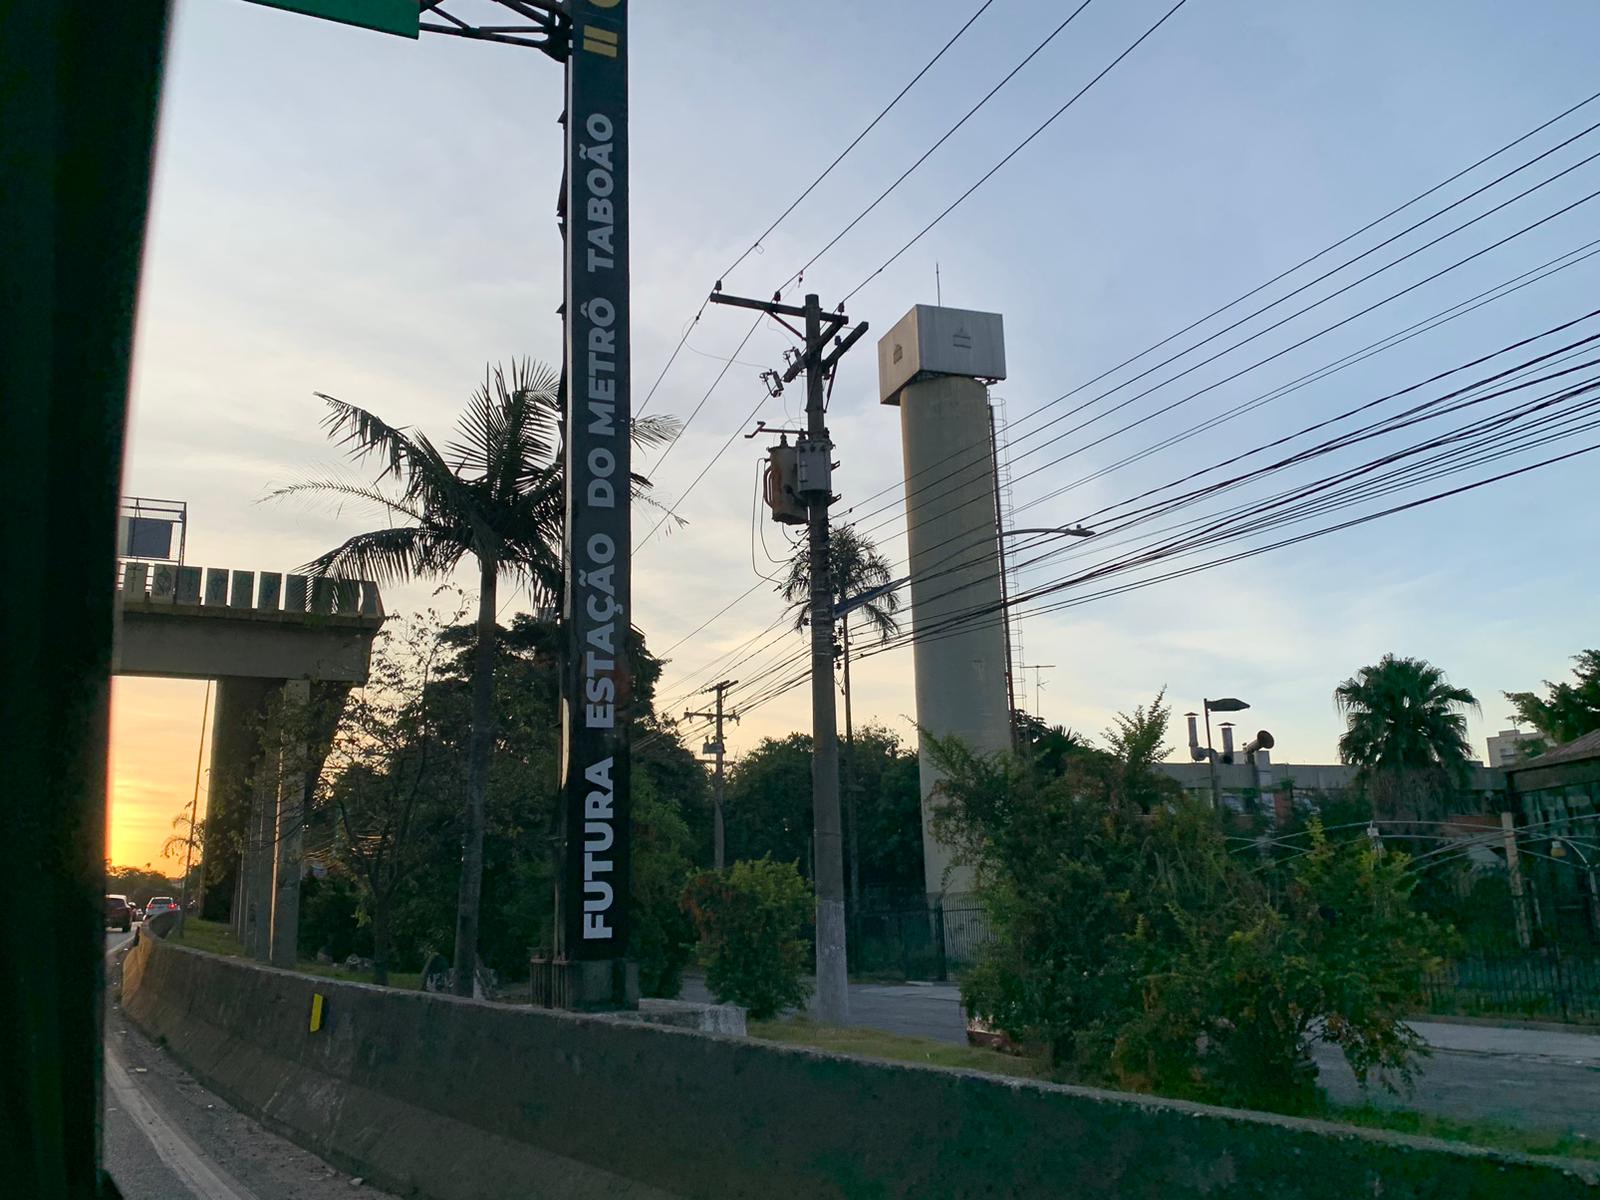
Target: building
{"points": [[1556, 797], [1277, 787], [1508, 748]]}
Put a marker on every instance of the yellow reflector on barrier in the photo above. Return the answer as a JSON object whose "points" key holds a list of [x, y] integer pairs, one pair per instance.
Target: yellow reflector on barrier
{"points": [[316, 1011]]}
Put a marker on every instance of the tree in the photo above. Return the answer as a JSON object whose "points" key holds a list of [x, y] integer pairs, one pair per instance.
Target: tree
{"points": [[139, 884], [1406, 733], [751, 917], [386, 782], [496, 494], [770, 814], [769, 802], [1130, 944], [1568, 711], [855, 567]]}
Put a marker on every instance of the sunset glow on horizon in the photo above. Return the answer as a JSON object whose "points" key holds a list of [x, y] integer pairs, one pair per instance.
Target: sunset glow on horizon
{"points": [[155, 735]]}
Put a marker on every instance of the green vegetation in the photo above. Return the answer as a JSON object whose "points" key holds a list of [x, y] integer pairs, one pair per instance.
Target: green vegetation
{"points": [[139, 884], [385, 816], [1140, 953], [216, 937], [495, 494], [869, 1043], [1406, 732], [1489, 1134], [1567, 710], [769, 809], [750, 918]]}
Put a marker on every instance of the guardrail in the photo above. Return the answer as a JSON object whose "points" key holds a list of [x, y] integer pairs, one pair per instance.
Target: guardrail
{"points": [[264, 591]]}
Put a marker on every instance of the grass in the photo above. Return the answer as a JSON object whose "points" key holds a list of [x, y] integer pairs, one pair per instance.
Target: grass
{"points": [[870, 1043], [1489, 1134], [216, 937]]}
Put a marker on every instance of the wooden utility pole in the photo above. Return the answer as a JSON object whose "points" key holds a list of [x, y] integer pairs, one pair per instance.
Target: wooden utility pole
{"points": [[813, 486], [852, 785], [1519, 902], [717, 715]]}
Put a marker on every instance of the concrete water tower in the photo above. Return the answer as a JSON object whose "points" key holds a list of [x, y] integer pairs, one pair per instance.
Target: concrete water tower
{"points": [[934, 364]]}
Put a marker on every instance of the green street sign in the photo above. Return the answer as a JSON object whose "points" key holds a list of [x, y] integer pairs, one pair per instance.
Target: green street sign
{"points": [[401, 17]]}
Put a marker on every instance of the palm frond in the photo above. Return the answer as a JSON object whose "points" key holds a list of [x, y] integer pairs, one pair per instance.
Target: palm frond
{"points": [[366, 433], [510, 430], [336, 491], [425, 478], [655, 430], [390, 556]]}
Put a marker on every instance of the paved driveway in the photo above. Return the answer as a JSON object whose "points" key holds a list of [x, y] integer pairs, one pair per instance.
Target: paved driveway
{"points": [[1536, 1079]]}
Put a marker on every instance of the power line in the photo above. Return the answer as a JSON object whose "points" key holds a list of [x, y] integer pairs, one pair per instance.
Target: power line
{"points": [[856, 141], [1336, 365], [1260, 362], [900, 95], [1281, 275], [1391, 424], [1018, 149], [944, 137], [957, 623], [1490, 295], [1247, 295]]}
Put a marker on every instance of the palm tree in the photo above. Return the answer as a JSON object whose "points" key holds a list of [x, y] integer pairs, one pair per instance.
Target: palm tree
{"points": [[495, 494], [1406, 732], [855, 565]]}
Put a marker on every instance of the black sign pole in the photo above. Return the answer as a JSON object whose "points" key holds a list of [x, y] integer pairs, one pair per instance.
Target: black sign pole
{"points": [[598, 681]]}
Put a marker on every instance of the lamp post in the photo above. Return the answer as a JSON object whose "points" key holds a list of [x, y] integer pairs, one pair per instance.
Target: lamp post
{"points": [[1558, 849], [1226, 704]]}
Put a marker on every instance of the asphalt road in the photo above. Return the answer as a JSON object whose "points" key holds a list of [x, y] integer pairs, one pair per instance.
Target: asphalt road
{"points": [[168, 1138], [1534, 1079]]}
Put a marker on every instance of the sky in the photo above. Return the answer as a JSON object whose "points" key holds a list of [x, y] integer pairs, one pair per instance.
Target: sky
{"points": [[345, 212]]}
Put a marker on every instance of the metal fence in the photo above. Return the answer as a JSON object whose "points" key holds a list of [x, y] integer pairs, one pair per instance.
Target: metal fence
{"points": [[920, 943], [1553, 984]]}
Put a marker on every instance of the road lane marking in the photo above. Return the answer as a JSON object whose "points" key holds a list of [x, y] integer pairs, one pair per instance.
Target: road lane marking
{"points": [[183, 1160]]}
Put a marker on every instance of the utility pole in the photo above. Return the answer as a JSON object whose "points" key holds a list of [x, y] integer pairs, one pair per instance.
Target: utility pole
{"points": [[194, 811], [1519, 903], [721, 688], [1005, 599], [813, 485], [852, 787]]}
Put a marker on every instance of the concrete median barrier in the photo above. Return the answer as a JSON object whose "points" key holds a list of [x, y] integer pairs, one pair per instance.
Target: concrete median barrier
{"points": [[451, 1099]]}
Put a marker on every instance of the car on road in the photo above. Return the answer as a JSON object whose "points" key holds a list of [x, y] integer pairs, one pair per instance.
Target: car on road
{"points": [[119, 912], [159, 905]]}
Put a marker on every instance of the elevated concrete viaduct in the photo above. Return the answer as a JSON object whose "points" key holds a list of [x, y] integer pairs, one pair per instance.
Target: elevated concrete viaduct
{"points": [[284, 651]]}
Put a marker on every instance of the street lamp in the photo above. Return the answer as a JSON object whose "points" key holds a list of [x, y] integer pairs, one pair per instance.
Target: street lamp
{"points": [[1227, 704], [1558, 849]]}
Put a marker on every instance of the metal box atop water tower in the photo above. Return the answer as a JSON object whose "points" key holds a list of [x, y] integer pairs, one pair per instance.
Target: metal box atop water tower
{"points": [[940, 341]]}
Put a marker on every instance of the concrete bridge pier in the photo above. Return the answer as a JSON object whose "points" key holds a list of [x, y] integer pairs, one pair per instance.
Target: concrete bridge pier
{"points": [[260, 849], [284, 651], [298, 762], [236, 722]]}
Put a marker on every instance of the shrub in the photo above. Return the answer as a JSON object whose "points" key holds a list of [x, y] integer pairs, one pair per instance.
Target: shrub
{"points": [[662, 933], [751, 919], [1132, 944]]}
